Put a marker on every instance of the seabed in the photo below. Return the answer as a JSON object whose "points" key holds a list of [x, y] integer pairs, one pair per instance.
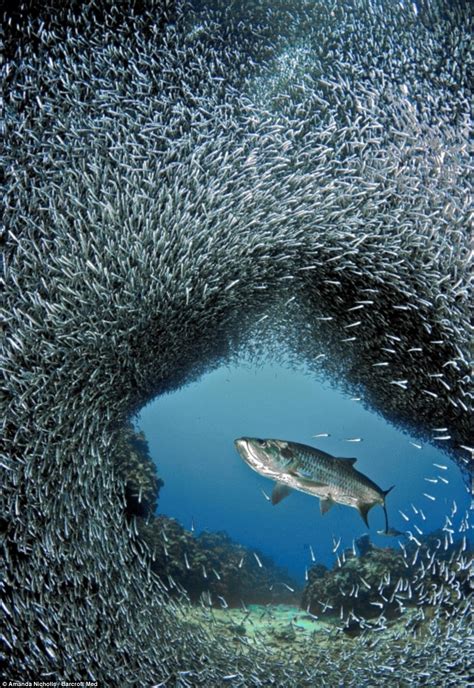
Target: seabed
{"points": [[290, 634]]}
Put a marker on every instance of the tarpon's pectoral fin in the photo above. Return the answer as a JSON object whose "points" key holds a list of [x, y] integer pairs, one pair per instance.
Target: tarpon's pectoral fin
{"points": [[293, 468], [280, 491], [308, 482], [363, 511], [347, 460], [303, 475], [325, 504]]}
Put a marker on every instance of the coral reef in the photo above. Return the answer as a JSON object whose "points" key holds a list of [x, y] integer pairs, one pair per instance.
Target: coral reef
{"points": [[364, 544], [384, 582], [354, 586], [208, 567], [213, 568], [137, 472]]}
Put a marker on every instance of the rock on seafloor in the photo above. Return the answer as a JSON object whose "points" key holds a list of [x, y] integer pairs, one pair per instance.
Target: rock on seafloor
{"points": [[382, 583], [183, 179]]}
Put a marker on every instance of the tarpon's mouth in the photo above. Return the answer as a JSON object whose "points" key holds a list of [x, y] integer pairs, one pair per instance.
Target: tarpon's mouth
{"points": [[241, 444], [249, 451]]}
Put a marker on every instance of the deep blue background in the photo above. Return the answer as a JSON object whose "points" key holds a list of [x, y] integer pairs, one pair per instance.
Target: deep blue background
{"points": [[191, 433]]}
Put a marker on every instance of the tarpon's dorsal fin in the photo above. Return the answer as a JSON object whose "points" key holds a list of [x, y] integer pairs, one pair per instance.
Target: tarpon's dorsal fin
{"points": [[280, 491], [363, 511], [347, 460], [325, 505]]}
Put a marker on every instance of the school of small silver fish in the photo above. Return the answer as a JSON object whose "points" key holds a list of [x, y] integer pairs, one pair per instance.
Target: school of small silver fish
{"points": [[182, 179]]}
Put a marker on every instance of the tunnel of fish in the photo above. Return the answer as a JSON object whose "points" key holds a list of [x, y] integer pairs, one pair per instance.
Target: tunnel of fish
{"points": [[181, 178]]}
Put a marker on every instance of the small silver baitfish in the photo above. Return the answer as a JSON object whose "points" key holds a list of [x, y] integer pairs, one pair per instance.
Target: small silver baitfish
{"points": [[301, 467]]}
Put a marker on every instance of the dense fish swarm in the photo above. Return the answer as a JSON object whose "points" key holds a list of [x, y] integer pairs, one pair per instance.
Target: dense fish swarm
{"points": [[212, 569], [359, 587], [177, 180]]}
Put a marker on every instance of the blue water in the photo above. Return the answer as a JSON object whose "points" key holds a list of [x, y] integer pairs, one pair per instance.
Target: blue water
{"points": [[191, 433]]}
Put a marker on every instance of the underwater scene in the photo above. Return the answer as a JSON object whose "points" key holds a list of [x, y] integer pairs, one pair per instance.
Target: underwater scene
{"points": [[237, 438], [208, 487], [284, 575]]}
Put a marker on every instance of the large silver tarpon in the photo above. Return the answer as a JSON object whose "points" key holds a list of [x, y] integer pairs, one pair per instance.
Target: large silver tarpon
{"points": [[301, 467]]}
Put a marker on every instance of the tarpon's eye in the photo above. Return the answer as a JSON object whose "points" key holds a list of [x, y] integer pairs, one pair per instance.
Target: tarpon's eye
{"points": [[263, 443]]}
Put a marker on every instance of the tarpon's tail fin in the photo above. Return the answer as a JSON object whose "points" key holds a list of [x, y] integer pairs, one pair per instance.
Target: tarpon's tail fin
{"points": [[365, 507], [385, 493]]}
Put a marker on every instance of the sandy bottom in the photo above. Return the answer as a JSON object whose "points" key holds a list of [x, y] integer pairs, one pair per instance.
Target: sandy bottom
{"points": [[274, 627]]}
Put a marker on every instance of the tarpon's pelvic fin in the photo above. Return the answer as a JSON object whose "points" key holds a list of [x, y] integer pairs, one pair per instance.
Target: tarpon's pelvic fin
{"points": [[280, 491], [325, 504]]}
